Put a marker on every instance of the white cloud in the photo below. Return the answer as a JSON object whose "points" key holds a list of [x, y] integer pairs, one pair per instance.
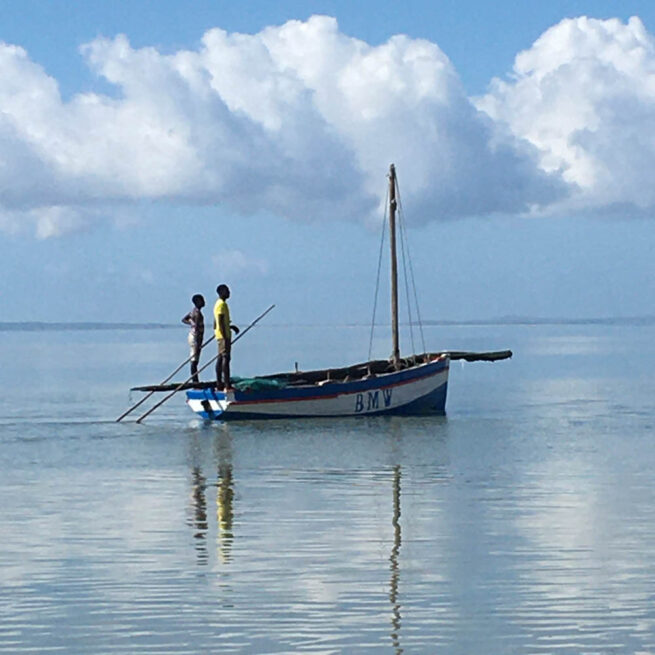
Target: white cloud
{"points": [[302, 120], [584, 96], [44, 222], [235, 262]]}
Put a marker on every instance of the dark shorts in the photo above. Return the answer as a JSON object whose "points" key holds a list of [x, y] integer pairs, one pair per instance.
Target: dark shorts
{"points": [[223, 348]]}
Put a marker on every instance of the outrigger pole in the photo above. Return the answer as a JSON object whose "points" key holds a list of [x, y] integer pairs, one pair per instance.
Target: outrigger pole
{"points": [[211, 361], [179, 368]]}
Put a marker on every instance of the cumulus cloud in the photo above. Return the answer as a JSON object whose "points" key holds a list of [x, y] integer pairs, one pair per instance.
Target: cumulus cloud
{"points": [[584, 96], [236, 262], [302, 121]]}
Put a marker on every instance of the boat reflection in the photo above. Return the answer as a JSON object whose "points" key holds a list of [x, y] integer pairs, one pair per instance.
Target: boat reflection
{"points": [[214, 540]]}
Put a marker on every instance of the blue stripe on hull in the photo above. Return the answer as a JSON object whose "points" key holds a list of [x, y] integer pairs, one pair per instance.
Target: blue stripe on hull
{"points": [[433, 403]]}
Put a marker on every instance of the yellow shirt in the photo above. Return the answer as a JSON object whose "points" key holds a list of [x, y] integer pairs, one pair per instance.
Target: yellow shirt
{"points": [[221, 309]]}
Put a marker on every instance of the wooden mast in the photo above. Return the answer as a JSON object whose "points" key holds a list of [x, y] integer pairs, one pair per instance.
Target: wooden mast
{"points": [[395, 353]]}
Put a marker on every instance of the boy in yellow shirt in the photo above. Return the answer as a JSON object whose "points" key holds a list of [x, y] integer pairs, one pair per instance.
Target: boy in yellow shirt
{"points": [[222, 327]]}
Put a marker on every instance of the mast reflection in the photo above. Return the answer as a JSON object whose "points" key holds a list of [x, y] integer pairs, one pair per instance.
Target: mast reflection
{"points": [[394, 566]]}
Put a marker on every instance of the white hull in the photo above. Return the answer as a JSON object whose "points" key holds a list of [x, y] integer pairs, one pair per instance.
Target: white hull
{"points": [[418, 389]]}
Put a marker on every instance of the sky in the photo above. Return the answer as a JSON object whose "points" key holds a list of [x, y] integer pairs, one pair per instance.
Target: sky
{"points": [[152, 150]]}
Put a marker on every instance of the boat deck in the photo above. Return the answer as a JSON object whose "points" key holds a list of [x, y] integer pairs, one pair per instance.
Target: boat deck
{"points": [[344, 374]]}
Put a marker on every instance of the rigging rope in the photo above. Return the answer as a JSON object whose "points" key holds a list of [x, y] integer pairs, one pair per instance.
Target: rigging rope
{"points": [[407, 263], [411, 272], [377, 280], [408, 299]]}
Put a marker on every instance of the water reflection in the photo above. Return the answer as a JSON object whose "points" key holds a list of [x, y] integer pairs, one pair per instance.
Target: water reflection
{"points": [[198, 521], [224, 496], [393, 559]]}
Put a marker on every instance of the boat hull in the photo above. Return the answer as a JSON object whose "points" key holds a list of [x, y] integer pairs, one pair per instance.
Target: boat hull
{"points": [[416, 390]]}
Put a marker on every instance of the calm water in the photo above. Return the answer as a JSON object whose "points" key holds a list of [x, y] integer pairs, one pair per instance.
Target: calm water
{"points": [[522, 522]]}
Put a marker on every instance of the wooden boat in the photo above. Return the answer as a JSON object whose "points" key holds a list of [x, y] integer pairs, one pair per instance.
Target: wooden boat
{"points": [[409, 385], [414, 387]]}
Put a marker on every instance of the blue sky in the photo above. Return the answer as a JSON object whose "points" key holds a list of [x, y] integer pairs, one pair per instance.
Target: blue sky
{"points": [[152, 150]]}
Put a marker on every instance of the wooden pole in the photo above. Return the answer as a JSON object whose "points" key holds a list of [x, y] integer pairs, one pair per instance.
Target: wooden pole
{"points": [[179, 368], [395, 353], [489, 356], [211, 361]]}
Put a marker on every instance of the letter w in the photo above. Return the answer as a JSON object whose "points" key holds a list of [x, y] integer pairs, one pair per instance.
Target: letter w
{"points": [[387, 396]]}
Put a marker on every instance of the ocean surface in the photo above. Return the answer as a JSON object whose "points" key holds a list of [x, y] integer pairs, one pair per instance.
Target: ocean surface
{"points": [[523, 521]]}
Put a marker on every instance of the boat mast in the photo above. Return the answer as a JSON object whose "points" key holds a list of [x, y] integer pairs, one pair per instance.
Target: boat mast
{"points": [[395, 354]]}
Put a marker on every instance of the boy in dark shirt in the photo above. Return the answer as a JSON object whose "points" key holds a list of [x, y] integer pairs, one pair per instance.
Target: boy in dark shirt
{"points": [[196, 334]]}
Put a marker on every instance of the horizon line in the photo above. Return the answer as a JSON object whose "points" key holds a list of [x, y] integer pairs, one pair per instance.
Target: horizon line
{"points": [[646, 319]]}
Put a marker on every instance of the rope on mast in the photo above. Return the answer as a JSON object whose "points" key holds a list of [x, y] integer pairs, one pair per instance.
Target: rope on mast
{"points": [[408, 279], [405, 255], [404, 239], [377, 280]]}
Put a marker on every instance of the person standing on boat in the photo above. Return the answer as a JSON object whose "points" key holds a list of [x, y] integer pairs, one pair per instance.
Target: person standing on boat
{"points": [[222, 327], [196, 320]]}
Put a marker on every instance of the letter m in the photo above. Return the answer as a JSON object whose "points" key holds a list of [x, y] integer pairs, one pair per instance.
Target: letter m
{"points": [[373, 401]]}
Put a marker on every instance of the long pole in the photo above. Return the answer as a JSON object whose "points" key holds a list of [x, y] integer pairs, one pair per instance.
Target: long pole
{"points": [[179, 368], [211, 361], [395, 353]]}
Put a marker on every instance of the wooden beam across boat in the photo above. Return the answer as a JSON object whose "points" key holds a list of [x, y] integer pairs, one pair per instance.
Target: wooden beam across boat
{"points": [[175, 385], [468, 356]]}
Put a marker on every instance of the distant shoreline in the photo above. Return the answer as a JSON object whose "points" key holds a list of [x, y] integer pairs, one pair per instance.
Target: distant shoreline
{"points": [[40, 326]]}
